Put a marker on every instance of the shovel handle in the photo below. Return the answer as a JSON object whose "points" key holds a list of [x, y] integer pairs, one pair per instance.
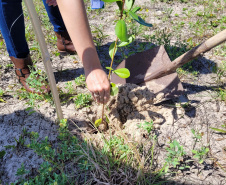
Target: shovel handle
{"points": [[202, 48], [188, 56]]}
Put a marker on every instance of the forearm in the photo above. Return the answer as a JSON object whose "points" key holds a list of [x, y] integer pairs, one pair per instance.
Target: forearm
{"points": [[75, 19]]}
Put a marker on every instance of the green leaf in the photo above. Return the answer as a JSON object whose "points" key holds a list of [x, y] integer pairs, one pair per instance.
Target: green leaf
{"points": [[107, 119], [218, 130], [175, 143], [122, 72], [98, 122], [31, 112], [123, 155], [175, 163], [122, 44], [29, 108], [139, 19], [109, 68], [130, 40], [111, 49], [114, 89], [172, 152], [136, 9], [166, 169], [129, 4], [1, 100], [2, 153], [196, 156], [121, 30], [10, 146], [120, 3], [171, 145]]}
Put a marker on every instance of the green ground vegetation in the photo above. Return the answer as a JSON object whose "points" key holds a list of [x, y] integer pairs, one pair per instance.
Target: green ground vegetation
{"points": [[72, 160]]}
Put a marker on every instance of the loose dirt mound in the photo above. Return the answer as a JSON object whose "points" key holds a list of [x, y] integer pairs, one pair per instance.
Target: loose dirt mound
{"points": [[129, 104], [132, 106]]}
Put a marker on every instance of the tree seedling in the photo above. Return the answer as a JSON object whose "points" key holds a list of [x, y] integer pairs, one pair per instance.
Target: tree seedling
{"points": [[122, 39]]}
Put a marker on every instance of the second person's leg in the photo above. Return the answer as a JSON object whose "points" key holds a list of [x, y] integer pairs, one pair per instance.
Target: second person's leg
{"points": [[64, 43], [13, 30]]}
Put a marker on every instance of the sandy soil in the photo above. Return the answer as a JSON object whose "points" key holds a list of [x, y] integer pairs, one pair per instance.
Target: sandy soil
{"points": [[131, 107]]}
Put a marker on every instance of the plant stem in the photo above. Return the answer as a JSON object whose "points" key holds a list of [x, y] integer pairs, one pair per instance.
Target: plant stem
{"points": [[109, 75], [102, 116], [123, 3]]}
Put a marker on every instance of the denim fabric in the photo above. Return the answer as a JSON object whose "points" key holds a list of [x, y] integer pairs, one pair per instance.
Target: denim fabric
{"points": [[13, 29], [55, 17]]}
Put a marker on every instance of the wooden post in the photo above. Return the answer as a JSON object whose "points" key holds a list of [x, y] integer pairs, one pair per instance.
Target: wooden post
{"points": [[45, 55]]}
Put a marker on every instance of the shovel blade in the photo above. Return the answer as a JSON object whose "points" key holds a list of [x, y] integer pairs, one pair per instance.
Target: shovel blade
{"points": [[143, 64]]}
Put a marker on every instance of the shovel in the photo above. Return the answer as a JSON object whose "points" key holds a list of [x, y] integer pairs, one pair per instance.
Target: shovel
{"points": [[154, 69]]}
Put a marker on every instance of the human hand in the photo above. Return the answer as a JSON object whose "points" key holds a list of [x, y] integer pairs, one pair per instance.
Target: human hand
{"points": [[98, 85], [51, 2]]}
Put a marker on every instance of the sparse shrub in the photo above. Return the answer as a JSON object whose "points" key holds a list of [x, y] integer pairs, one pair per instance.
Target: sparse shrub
{"points": [[175, 155], [200, 154], [70, 88], [1, 95], [148, 126], [82, 100], [37, 82], [80, 81]]}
